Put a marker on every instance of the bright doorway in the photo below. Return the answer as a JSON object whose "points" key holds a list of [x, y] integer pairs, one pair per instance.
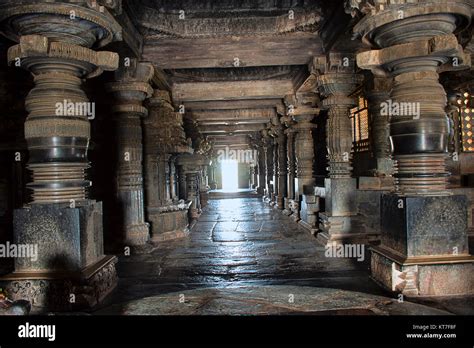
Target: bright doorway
{"points": [[230, 175]]}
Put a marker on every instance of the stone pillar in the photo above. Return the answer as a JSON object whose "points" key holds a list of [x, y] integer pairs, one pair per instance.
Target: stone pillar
{"points": [[268, 150], [290, 152], [275, 187], [173, 180], [204, 185], [60, 220], [424, 248], [182, 183], [377, 94], [190, 167], [192, 191], [304, 160], [212, 176], [282, 169], [261, 169], [252, 172], [336, 83], [164, 139], [130, 90]]}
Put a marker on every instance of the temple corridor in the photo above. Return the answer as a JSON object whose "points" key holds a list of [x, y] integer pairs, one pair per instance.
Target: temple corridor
{"points": [[244, 257], [237, 157]]}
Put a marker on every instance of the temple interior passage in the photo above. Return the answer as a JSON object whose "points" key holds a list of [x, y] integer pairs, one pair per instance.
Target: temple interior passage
{"points": [[236, 157]]}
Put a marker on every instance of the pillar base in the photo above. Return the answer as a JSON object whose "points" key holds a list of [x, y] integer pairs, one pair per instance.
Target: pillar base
{"points": [[204, 198], [70, 259], [136, 236], [171, 224], [51, 291], [295, 210], [422, 276], [424, 248], [343, 230], [287, 207], [309, 209]]}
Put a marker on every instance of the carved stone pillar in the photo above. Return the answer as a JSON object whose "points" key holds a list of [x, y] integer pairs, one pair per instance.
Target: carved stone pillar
{"points": [[424, 248], [190, 167], [275, 187], [130, 90], [212, 176], [252, 173], [164, 139], [377, 94], [262, 169], [304, 157], [290, 152], [182, 183], [192, 191], [204, 185], [173, 180], [336, 84], [268, 149], [60, 220], [282, 170]]}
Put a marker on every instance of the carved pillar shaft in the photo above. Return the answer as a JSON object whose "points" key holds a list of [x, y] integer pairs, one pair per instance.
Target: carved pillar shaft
{"points": [[192, 193], [376, 96], [290, 148], [282, 171], [182, 183], [304, 152], [269, 169], [130, 91], [261, 170], [57, 128], [275, 176], [337, 87], [173, 181]]}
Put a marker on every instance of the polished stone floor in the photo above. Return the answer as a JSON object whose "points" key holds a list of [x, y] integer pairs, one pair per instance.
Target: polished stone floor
{"points": [[244, 257]]}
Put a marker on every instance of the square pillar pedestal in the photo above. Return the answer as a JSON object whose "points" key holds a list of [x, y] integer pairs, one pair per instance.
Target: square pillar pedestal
{"points": [[424, 249], [337, 223], [69, 270], [309, 212], [170, 222]]}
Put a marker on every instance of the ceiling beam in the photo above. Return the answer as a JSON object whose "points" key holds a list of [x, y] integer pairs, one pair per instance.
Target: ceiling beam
{"points": [[225, 52], [233, 104], [231, 90], [239, 128], [234, 116]]}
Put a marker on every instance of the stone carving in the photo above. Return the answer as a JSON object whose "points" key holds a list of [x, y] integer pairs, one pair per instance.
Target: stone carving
{"points": [[130, 90], [55, 40]]}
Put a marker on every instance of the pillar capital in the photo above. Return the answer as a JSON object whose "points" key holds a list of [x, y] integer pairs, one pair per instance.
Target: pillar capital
{"points": [[82, 23], [421, 15], [164, 132], [131, 88]]}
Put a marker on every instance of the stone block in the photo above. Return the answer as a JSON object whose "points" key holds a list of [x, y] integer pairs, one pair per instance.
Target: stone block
{"points": [[417, 226], [424, 249], [68, 239]]}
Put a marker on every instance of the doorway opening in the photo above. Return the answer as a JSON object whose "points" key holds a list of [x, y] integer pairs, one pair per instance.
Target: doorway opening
{"points": [[230, 175]]}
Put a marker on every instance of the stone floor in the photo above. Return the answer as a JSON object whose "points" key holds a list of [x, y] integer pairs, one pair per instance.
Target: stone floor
{"points": [[244, 257]]}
